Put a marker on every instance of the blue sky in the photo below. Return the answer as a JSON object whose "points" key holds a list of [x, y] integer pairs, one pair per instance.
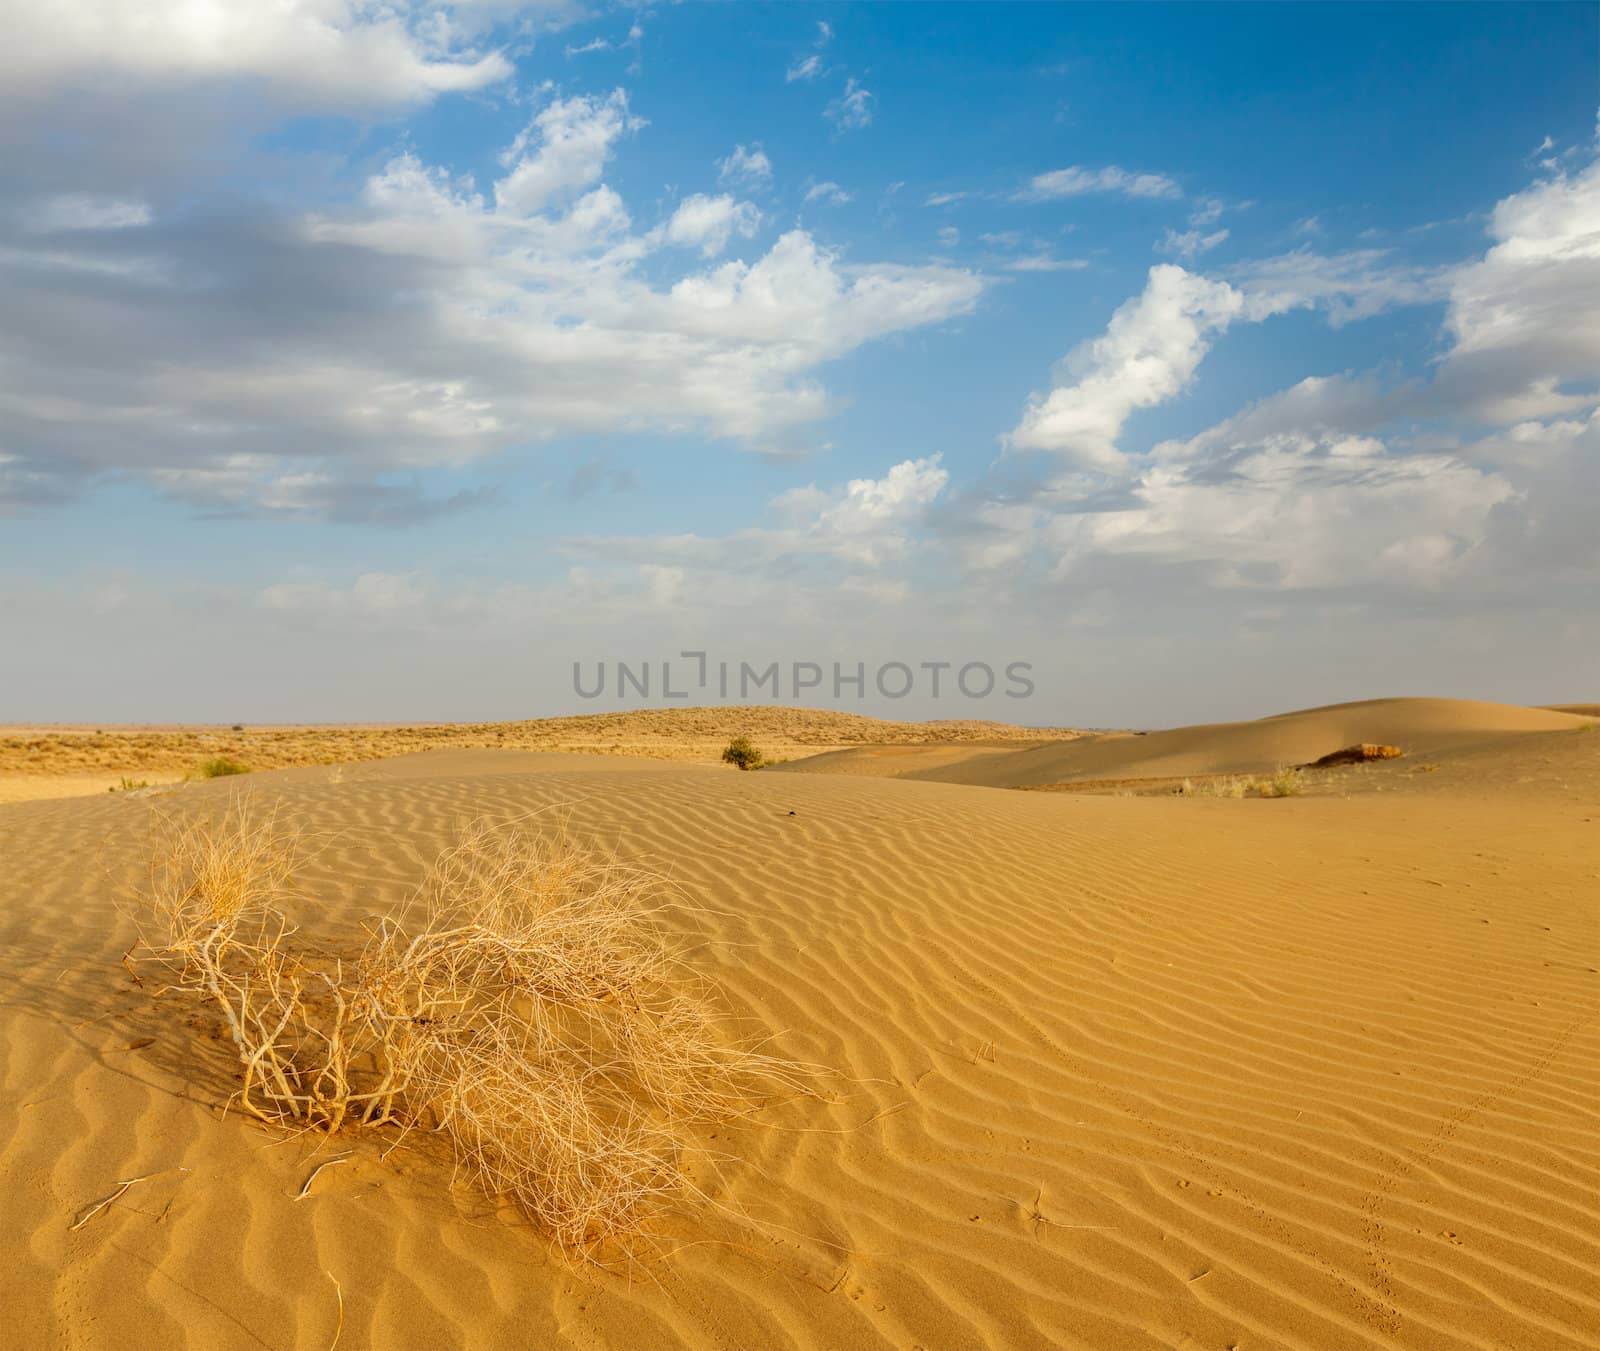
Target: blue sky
{"points": [[369, 363]]}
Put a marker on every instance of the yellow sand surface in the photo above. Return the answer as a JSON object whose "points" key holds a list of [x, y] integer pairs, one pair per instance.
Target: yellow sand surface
{"points": [[1317, 1074], [1425, 729]]}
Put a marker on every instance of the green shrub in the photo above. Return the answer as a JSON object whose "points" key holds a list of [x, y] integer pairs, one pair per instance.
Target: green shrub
{"points": [[127, 785], [220, 766], [741, 753]]}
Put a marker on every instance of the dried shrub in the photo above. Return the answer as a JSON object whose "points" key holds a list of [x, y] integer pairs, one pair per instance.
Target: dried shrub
{"points": [[525, 1003]]}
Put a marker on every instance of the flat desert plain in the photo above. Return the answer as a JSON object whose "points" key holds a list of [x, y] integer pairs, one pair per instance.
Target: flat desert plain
{"points": [[1110, 1057]]}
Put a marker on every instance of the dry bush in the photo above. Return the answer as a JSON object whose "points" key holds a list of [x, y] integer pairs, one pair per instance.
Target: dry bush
{"points": [[1283, 783], [1215, 786], [524, 1003]]}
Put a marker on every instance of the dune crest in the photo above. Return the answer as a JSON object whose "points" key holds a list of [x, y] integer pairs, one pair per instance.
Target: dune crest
{"points": [[1422, 727]]}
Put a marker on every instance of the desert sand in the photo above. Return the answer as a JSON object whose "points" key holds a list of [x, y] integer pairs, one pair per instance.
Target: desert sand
{"points": [[1140, 1071], [42, 761]]}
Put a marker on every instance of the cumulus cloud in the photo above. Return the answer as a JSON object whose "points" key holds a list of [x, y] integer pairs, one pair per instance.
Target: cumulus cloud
{"points": [[230, 356], [1334, 483], [1523, 320], [1148, 353], [335, 54], [865, 526], [1076, 181], [707, 223], [564, 148], [1295, 511]]}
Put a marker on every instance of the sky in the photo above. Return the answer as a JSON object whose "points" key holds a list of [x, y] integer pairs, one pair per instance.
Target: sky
{"points": [[406, 361]]}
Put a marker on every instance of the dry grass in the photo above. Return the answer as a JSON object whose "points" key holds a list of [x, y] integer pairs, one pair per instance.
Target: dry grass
{"points": [[1282, 783], [525, 1004], [697, 734]]}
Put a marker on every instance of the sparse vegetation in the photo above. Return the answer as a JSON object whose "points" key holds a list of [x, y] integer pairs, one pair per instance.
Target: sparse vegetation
{"points": [[1224, 785], [1283, 783], [741, 754], [524, 1005], [696, 734], [127, 785], [219, 767]]}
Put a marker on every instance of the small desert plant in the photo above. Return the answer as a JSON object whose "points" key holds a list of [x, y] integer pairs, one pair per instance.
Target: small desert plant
{"points": [[127, 785], [237, 727], [1284, 783], [1225, 785], [741, 753], [220, 766], [524, 1004]]}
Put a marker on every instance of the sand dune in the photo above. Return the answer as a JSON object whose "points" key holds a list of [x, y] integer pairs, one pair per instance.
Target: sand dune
{"points": [[1420, 727], [1142, 1073], [1582, 710]]}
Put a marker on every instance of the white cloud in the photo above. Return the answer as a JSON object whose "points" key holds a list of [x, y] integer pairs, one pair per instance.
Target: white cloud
{"points": [[949, 236], [748, 167], [332, 53], [867, 525], [829, 193], [1322, 407], [1351, 286], [1524, 321], [807, 68], [1075, 181], [1148, 353], [852, 110], [571, 140], [1190, 244], [707, 223], [729, 346], [1044, 262], [430, 323], [1296, 511], [943, 198], [84, 211]]}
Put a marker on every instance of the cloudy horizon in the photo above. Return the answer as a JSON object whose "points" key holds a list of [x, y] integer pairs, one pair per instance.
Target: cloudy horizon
{"points": [[376, 364]]}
